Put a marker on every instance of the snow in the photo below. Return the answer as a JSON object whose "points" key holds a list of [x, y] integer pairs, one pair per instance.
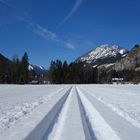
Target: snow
{"points": [[69, 125], [14, 104], [18, 101], [106, 65], [65, 112], [123, 128], [37, 68], [102, 52], [123, 51], [58, 128], [99, 125], [125, 102], [41, 67], [30, 67]]}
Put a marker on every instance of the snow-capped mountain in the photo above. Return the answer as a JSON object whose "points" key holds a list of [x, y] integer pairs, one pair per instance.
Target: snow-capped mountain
{"points": [[37, 69], [105, 54]]}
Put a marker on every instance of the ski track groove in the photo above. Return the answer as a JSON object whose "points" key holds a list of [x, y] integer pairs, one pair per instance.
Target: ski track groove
{"points": [[101, 128], [107, 112], [23, 110], [89, 133], [122, 113], [51, 118]]}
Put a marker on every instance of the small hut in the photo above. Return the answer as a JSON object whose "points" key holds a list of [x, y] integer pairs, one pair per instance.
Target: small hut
{"points": [[117, 80]]}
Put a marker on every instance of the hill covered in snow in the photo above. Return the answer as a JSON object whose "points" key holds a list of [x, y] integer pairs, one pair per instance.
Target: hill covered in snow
{"points": [[104, 54], [38, 69]]}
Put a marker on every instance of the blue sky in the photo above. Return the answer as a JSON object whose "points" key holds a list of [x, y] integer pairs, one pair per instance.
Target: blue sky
{"points": [[66, 29]]}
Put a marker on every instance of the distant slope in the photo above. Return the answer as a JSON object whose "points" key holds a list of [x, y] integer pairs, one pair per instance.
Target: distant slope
{"points": [[3, 58], [6, 69], [105, 54], [5, 63], [39, 70]]}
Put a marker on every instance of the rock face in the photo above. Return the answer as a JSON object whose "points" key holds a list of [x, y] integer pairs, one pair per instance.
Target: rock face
{"points": [[131, 61], [103, 55]]}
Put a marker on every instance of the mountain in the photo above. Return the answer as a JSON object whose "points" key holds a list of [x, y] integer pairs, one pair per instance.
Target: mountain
{"points": [[131, 61], [39, 70], [6, 69], [5, 63], [103, 55], [3, 59]]}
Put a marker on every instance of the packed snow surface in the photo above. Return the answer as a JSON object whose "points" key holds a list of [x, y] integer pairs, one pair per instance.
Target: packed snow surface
{"points": [[65, 112]]}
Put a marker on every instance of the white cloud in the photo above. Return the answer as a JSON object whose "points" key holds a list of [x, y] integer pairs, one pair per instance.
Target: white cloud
{"points": [[70, 45], [43, 32], [73, 10], [46, 34]]}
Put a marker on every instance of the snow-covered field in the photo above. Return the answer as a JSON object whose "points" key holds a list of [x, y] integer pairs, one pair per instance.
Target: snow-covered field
{"points": [[70, 112]]}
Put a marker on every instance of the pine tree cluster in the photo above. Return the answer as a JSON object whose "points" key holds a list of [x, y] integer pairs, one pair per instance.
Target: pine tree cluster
{"points": [[73, 73], [14, 72]]}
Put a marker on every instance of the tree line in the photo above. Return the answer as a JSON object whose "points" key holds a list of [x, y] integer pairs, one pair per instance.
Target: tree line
{"points": [[16, 72], [73, 73]]}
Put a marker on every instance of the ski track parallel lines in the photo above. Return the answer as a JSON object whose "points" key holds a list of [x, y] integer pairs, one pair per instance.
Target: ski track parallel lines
{"points": [[58, 126]]}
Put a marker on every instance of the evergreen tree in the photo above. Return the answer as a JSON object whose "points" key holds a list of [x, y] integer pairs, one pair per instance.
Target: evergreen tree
{"points": [[2, 72], [56, 72], [74, 73], [24, 77], [16, 70], [65, 72]]}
